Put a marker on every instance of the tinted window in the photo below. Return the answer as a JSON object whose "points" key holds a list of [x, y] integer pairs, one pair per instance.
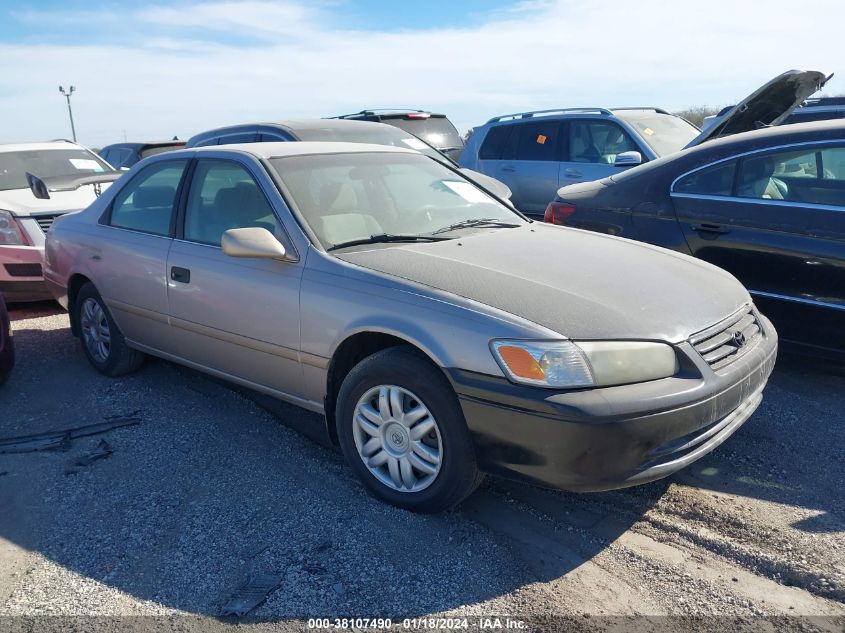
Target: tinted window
{"points": [[491, 148], [224, 196], [243, 137], [146, 202], [538, 140], [593, 141], [712, 181]]}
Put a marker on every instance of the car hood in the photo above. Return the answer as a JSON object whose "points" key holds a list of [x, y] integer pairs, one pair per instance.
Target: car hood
{"points": [[768, 105], [23, 202], [580, 284]]}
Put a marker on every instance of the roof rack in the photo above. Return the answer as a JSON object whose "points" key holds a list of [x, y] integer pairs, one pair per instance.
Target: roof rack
{"points": [[823, 101], [529, 115]]}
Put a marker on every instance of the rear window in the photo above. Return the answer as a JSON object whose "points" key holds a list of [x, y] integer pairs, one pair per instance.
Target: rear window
{"points": [[46, 163], [378, 135], [437, 131]]}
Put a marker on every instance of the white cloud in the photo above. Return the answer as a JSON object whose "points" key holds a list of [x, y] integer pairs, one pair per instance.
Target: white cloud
{"points": [[170, 70]]}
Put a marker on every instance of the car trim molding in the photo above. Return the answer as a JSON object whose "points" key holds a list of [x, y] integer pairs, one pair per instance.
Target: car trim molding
{"points": [[136, 310], [764, 201], [815, 302], [761, 150], [235, 339]]}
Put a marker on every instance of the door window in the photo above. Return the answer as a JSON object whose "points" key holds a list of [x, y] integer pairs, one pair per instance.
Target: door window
{"points": [[594, 141], [716, 180], [538, 140], [812, 175], [491, 148], [146, 203], [223, 196]]}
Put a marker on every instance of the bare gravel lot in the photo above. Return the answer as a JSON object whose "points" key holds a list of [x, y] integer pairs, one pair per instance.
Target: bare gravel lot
{"points": [[209, 490]]}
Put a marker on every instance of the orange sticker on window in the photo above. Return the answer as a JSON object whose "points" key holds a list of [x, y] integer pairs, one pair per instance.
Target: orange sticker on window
{"points": [[541, 139]]}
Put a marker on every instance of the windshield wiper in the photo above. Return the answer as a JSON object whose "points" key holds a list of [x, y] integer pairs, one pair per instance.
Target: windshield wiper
{"points": [[387, 237], [475, 222]]}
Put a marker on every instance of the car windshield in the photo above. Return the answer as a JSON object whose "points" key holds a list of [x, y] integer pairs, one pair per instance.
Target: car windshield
{"points": [[664, 133], [354, 196], [377, 135], [46, 163]]}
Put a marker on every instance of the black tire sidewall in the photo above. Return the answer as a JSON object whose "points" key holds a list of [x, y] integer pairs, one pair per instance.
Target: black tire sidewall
{"points": [[409, 370], [117, 345]]}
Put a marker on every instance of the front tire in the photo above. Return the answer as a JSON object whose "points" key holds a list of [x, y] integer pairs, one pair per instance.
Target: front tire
{"points": [[403, 433], [102, 341]]}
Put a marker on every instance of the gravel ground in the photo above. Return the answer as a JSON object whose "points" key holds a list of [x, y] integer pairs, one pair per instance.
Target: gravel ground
{"points": [[210, 490]]}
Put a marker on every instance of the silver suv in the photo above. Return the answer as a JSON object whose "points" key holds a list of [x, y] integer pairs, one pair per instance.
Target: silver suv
{"points": [[536, 153]]}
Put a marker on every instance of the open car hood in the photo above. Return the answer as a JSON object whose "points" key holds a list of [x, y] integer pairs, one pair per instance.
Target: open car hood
{"points": [[768, 105]]}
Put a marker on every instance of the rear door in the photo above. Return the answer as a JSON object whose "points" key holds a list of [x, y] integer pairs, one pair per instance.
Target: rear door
{"points": [[776, 220], [130, 261], [235, 316], [526, 157], [591, 149]]}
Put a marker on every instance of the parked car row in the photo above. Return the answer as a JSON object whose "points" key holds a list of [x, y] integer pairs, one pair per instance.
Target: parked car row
{"points": [[354, 269]]}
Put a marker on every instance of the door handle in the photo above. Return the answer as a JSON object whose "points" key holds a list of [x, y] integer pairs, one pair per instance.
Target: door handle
{"points": [[508, 169], [710, 228], [182, 275], [572, 173]]}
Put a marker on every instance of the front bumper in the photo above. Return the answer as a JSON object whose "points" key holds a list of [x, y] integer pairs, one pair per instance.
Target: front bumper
{"points": [[612, 437], [21, 274]]}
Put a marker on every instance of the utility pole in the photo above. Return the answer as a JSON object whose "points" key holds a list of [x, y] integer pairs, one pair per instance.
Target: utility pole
{"points": [[67, 94]]}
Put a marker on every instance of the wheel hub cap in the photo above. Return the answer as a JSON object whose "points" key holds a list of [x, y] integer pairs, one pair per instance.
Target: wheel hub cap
{"points": [[397, 438]]}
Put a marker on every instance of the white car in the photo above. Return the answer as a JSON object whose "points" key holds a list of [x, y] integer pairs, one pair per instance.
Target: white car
{"points": [[39, 182]]}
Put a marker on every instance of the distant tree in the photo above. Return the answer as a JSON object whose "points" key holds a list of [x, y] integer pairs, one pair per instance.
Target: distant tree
{"points": [[696, 114]]}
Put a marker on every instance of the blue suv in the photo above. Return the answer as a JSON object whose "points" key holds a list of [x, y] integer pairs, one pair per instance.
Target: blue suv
{"points": [[536, 153]]}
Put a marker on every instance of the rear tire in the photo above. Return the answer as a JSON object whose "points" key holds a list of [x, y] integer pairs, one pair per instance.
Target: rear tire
{"points": [[410, 446], [102, 341]]}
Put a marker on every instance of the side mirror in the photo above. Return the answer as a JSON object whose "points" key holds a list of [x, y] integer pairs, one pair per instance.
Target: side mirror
{"points": [[37, 186], [628, 159], [252, 242]]}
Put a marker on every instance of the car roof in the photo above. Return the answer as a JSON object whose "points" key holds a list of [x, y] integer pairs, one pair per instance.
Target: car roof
{"points": [[22, 147], [283, 149], [135, 144], [793, 133]]}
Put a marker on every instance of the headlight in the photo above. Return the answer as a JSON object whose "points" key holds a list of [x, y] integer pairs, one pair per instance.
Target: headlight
{"points": [[564, 364], [10, 232]]}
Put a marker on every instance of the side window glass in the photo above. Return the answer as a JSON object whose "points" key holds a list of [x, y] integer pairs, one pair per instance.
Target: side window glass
{"points": [[833, 164], [766, 176], [491, 148], [223, 196], [537, 140], [146, 203], [716, 180], [594, 141]]}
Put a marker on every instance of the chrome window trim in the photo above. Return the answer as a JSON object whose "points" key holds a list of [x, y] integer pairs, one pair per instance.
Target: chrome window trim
{"points": [[773, 148], [773, 295], [763, 201]]}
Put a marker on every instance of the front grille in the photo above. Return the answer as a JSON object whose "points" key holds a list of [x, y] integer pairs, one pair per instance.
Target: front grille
{"points": [[45, 221], [725, 342], [23, 270]]}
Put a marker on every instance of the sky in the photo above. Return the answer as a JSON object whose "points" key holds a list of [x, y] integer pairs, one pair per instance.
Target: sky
{"points": [[150, 70]]}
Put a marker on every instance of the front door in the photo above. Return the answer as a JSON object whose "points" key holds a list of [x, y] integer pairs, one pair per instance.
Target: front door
{"points": [[235, 316]]}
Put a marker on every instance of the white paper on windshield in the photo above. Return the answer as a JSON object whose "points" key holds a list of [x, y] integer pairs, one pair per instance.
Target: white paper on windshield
{"points": [[86, 163], [414, 143], [466, 191]]}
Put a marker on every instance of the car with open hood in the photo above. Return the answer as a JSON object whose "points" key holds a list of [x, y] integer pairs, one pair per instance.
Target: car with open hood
{"points": [[38, 183], [417, 313], [536, 153]]}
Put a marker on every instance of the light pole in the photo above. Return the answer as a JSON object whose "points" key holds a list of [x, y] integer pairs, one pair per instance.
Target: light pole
{"points": [[67, 94]]}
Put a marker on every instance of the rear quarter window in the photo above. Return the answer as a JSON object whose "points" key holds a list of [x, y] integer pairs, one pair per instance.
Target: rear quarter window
{"points": [[716, 180]]}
